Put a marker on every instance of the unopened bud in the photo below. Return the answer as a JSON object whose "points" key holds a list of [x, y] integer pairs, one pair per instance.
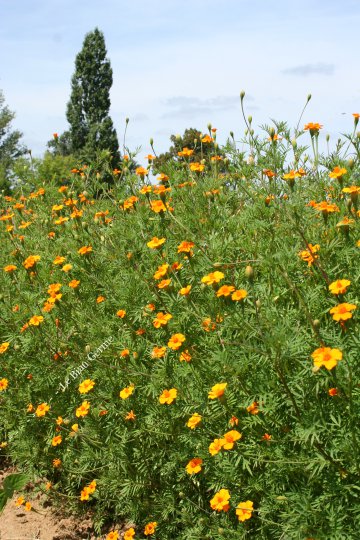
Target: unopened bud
{"points": [[316, 323], [126, 120], [294, 143], [249, 273], [87, 349], [232, 134], [209, 126], [250, 119], [327, 137], [309, 97], [242, 94], [151, 141]]}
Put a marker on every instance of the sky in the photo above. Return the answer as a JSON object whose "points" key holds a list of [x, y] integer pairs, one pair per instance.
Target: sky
{"points": [[179, 64]]}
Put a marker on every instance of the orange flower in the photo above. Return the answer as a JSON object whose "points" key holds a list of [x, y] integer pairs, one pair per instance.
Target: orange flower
{"points": [[185, 247], [161, 271], [244, 510], [225, 290], [85, 250], [186, 152], [194, 466], [340, 286], [4, 347], [140, 171], [161, 319], [238, 295], [42, 409], [130, 415], [220, 502], [56, 440], [36, 320], [216, 446], [168, 396], [10, 268], [3, 384], [158, 206], [150, 528], [185, 356], [56, 462], [127, 391], [121, 313], [213, 277], [333, 391], [314, 128], [338, 172], [113, 535], [156, 242], [28, 506], [291, 175], [253, 408], [309, 255], [185, 291], [194, 421], [66, 268], [20, 501], [207, 139], [86, 386], [100, 299], [145, 189], [342, 312], [197, 167], [74, 283], [217, 391], [83, 410], [158, 352], [233, 421], [59, 260], [176, 341], [31, 261], [269, 173], [327, 357], [163, 177], [164, 283], [230, 438]]}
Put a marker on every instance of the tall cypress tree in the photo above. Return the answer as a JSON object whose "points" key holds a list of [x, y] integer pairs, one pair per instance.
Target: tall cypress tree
{"points": [[91, 127]]}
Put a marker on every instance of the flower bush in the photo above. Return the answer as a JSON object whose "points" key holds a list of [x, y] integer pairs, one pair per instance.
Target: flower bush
{"points": [[227, 300]]}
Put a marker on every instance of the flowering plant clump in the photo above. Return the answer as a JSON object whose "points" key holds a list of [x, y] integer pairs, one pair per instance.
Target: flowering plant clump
{"points": [[222, 401]]}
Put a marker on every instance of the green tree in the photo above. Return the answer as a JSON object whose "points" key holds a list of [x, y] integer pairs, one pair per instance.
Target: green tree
{"points": [[91, 128], [10, 147]]}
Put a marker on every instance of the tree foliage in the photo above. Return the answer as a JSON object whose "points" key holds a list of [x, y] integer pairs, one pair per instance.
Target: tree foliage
{"points": [[10, 146]]}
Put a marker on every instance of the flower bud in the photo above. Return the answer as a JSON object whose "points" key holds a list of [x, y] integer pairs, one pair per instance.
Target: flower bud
{"points": [[309, 97], [87, 349], [249, 272], [151, 141], [250, 119], [242, 94]]}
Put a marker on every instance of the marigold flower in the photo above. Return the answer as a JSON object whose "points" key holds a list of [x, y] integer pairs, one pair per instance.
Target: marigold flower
{"points": [[59, 260], [66, 268], [185, 291], [84, 495], [342, 312], [75, 427], [83, 410], [161, 319], [333, 391], [194, 466], [85, 250], [253, 408], [42, 409], [213, 277], [244, 510], [266, 437], [291, 175], [158, 206], [121, 313], [56, 462], [238, 295], [56, 440], [127, 391], [230, 438], [197, 167], [4, 347], [168, 396], [216, 446], [28, 506], [185, 356], [20, 501], [220, 501], [10, 268], [176, 266], [156, 242], [338, 172], [339, 286], [36, 320], [113, 535], [185, 247], [86, 386], [194, 421], [163, 177], [233, 421], [309, 255], [141, 171], [207, 139], [186, 152], [176, 341], [217, 391], [150, 528], [225, 290], [130, 415], [31, 261], [163, 284], [158, 352], [161, 271], [327, 357], [314, 128], [74, 283], [3, 384]]}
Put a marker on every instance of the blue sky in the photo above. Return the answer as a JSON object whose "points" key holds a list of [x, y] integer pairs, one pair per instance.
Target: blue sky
{"points": [[179, 64]]}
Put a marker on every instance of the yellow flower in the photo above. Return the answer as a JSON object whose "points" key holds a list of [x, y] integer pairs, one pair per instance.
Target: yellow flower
{"points": [[126, 392], [194, 420], [338, 172], [161, 319], [113, 535], [31, 261], [213, 277], [253, 408], [28, 506], [185, 291], [4, 347], [121, 313], [156, 242], [83, 410], [59, 260], [225, 290], [168, 396], [86, 386], [85, 250], [217, 390], [36, 320], [220, 501], [158, 352], [66, 267], [74, 283], [42, 409], [129, 534], [216, 446], [340, 286], [150, 528], [342, 312], [3, 384], [194, 466], [10, 268], [185, 356], [327, 357], [230, 438], [244, 510], [238, 295], [56, 440], [176, 341]]}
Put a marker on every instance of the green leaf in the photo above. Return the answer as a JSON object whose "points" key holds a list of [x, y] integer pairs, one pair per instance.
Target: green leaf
{"points": [[14, 482]]}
